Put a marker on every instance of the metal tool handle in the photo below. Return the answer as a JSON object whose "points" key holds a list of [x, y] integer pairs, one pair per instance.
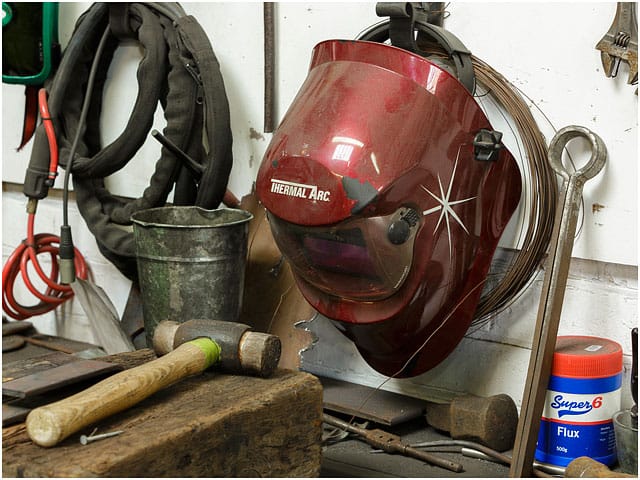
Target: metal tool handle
{"points": [[391, 444], [634, 365], [596, 161], [50, 424], [552, 294], [431, 459]]}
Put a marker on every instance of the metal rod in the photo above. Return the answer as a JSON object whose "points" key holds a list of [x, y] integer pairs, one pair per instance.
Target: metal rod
{"points": [[195, 168], [552, 295], [269, 66], [50, 345]]}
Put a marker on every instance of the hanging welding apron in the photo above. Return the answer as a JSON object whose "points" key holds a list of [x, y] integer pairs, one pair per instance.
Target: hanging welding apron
{"points": [[179, 70]]}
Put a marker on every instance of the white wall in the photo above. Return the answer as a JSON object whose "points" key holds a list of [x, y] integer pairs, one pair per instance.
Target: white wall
{"points": [[545, 49]]}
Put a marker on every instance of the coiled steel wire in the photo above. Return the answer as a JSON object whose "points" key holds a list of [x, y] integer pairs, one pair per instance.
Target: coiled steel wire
{"points": [[539, 179]]}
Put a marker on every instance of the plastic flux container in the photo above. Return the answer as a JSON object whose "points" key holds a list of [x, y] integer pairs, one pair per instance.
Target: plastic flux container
{"points": [[582, 397]]}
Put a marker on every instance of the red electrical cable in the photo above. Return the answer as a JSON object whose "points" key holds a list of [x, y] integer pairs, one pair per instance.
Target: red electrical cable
{"points": [[51, 134], [43, 243], [18, 264]]}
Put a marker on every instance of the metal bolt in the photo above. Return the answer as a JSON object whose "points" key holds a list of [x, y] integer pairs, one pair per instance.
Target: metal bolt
{"points": [[84, 439]]}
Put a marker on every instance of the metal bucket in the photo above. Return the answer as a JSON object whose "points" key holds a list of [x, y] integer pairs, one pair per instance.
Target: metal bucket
{"points": [[191, 263]]}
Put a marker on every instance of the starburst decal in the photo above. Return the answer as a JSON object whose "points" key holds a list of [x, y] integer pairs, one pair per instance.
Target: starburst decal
{"points": [[445, 206]]}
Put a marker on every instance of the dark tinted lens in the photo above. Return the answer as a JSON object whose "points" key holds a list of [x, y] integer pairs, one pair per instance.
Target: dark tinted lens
{"points": [[354, 259]]}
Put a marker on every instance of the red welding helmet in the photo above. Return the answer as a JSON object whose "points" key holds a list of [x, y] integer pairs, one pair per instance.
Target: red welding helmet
{"points": [[387, 190]]}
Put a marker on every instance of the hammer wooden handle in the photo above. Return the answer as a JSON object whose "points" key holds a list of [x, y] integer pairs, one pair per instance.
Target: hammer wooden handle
{"points": [[50, 424]]}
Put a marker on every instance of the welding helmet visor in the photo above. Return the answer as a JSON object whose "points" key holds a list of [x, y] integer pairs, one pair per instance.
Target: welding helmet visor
{"points": [[353, 259]]}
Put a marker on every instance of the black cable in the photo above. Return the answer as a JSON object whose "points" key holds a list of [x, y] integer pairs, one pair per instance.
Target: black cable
{"points": [[66, 251], [81, 124]]}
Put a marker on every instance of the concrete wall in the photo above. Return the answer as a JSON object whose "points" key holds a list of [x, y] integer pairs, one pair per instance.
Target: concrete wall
{"points": [[544, 49]]}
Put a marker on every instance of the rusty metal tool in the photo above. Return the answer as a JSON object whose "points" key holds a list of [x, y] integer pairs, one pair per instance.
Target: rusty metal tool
{"points": [[193, 347], [45, 343], [620, 43], [31, 382], [75, 371], [391, 443], [471, 449], [553, 288]]}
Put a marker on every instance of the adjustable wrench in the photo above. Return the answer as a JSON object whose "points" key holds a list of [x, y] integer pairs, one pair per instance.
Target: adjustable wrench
{"points": [[620, 43], [553, 288]]}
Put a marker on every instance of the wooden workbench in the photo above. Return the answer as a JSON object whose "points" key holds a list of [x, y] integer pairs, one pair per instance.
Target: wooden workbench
{"points": [[209, 425]]}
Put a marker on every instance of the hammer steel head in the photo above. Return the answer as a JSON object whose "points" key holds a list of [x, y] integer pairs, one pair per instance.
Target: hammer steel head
{"points": [[243, 351]]}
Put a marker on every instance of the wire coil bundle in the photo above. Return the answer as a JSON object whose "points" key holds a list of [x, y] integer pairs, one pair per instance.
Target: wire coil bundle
{"points": [[541, 195]]}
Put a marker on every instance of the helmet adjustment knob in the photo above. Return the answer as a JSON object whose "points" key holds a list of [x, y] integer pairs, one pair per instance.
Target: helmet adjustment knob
{"points": [[399, 231]]}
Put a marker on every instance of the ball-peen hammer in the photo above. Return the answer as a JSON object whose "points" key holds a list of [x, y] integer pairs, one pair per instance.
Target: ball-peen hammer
{"points": [[190, 347]]}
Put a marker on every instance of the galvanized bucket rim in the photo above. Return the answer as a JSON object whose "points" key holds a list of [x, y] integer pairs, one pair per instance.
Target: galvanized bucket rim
{"points": [[247, 216]]}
